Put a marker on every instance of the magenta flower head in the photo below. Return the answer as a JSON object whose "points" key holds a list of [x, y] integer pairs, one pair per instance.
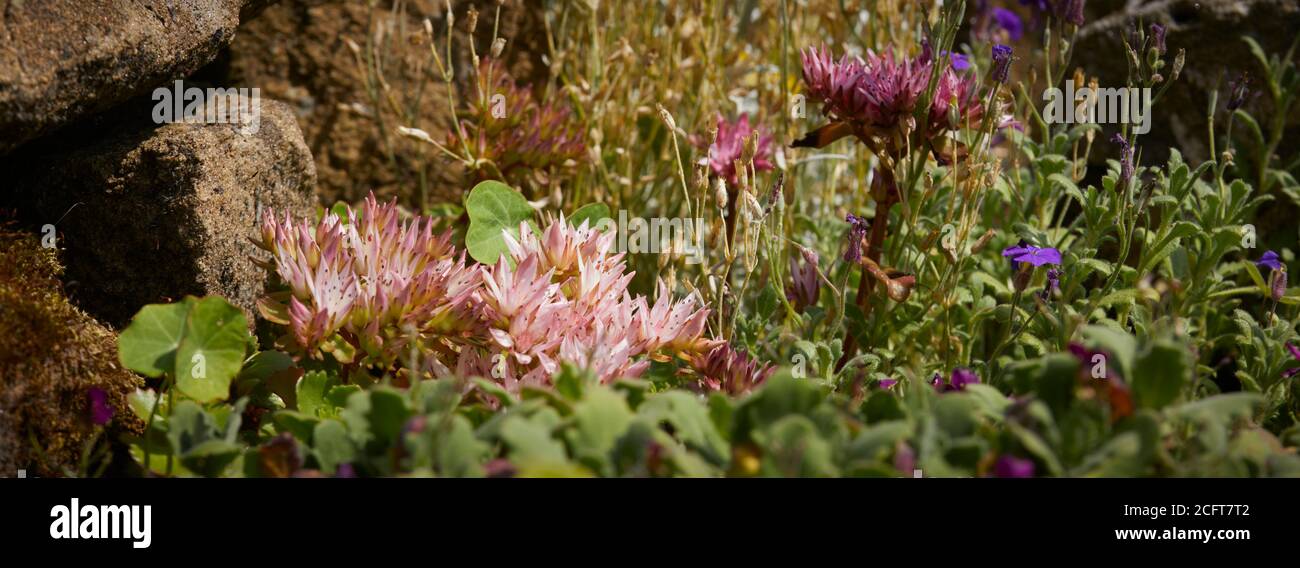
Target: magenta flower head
{"points": [[874, 97], [1295, 354], [730, 143], [100, 410], [1001, 62], [1009, 466], [729, 370]]}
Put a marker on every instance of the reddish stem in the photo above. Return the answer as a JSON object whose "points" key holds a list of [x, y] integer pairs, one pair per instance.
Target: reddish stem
{"points": [[886, 194]]}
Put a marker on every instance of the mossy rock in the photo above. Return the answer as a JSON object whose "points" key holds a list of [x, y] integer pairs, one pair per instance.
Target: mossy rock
{"points": [[51, 355]]}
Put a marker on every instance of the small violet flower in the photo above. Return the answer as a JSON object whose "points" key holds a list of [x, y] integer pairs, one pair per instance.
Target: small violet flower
{"points": [[1126, 166], [1277, 278], [1001, 62], [1295, 354], [1009, 21], [887, 383], [1238, 91], [958, 380], [857, 231], [1158, 38], [1053, 283], [1070, 11], [1035, 256], [1009, 466], [100, 411], [805, 288]]}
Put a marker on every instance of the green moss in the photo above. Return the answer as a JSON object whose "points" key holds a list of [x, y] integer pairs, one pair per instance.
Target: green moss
{"points": [[51, 354]]}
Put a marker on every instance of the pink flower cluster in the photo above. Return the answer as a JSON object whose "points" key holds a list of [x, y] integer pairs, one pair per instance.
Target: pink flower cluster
{"points": [[729, 146], [377, 283], [378, 280], [878, 92], [566, 299]]}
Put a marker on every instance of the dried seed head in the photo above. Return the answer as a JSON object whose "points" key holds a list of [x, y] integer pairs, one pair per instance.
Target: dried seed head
{"points": [[667, 117], [472, 22], [720, 193], [498, 45]]}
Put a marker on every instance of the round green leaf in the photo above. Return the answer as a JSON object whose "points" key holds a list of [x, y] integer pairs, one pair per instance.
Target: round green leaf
{"points": [[493, 207]]}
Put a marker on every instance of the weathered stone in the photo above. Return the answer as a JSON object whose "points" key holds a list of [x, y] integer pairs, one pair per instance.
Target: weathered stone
{"points": [[51, 355], [1211, 31], [62, 60], [151, 213], [297, 51]]}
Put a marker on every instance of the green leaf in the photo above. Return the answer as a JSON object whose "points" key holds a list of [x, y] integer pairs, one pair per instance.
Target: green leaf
{"points": [[311, 391], [493, 207], [332, 445], [200, 343], [600, 418], [1160, 370], [148, 345], [592, 213]]}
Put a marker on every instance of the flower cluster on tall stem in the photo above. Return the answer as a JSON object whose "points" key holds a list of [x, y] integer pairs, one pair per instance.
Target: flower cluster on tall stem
{"points": [[880, 99]]}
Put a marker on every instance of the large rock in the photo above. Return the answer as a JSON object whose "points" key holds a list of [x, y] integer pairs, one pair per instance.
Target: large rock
{"points": [[61, 60], [151, 213], [51, 356], [297, 51], [1211, 32]]}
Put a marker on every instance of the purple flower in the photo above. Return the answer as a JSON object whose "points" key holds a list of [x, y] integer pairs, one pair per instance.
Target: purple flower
{"points": [[345, 470], [960, 61], [1239, 91], [1158, 38], [960, 377], [1277, 278], [100, 411], [1295, 354], [1270, 260], [1013, 467], [805, 288], [857, 231], [1001, 62], [1008, 20], [1070, 11], [887, 383], [904, 459], [1126, 166], [1033, 255], [1053, 283]]}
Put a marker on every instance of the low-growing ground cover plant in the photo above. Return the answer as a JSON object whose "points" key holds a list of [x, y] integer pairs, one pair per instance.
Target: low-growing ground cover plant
{"points": [[905, 267]]}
